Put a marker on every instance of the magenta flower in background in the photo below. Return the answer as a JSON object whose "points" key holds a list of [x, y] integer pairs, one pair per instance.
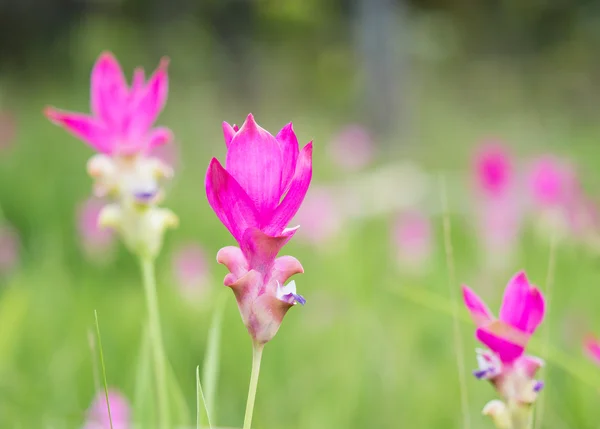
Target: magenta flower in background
{"points": [[10, 249], [122, 116], [591, 347], [96, 241], [413, 240], [552, 182], [498, 205], [320, 217], [190, 270], [494, 170], [352, 148], [255, 196], [505, 364], [120, 412]]}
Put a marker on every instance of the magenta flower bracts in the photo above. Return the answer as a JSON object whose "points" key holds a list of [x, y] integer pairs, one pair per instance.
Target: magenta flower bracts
{"points": [[505, 365], [256, 194], [591, 347], [122, 116]]}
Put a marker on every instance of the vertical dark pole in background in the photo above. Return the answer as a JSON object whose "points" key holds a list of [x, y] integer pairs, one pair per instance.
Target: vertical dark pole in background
{"points": [[381, 46]]}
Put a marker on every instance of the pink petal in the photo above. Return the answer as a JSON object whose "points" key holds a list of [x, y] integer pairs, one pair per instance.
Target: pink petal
{"points": [[289, 147], [293, 199], [139, 80], [507, 351], [523, 304], [159, 136], [229, 201], [285, 267], [261, 250], [493, 165], [109, 92], [229, 132], [479, 311], [83, 127], [254, 159], [148, 103], [591, 346]]}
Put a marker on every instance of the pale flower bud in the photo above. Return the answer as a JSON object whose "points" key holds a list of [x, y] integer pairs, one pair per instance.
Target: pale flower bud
{"points": [[499, 413]]}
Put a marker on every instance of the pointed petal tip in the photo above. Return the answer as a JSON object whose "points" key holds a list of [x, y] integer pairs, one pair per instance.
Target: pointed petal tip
{"points": [[164, 63], [51, 113]]}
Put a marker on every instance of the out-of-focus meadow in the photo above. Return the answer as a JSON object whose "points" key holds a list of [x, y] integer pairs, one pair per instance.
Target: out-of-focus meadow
{"points": [[398, 98]]}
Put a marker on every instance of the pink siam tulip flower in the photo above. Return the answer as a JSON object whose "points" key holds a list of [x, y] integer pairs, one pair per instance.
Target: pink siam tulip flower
{"points": [[352, 148], [120, 412], [9, 249], [591, 346], [95, 240], [122, 116], [505, 364], [190, 270], [413, 240], [498, 208], [260, 190], [320, 217]]}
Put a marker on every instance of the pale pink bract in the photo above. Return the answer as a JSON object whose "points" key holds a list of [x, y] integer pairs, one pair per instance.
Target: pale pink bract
{"points": [[122, 116]]}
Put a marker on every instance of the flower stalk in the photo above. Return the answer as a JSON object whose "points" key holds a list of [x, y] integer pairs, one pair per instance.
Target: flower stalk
{"points": [[158, 353], [257, 350]]}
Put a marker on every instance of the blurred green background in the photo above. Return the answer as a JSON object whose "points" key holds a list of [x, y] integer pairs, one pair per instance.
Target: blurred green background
{"points": [[373, 347]]}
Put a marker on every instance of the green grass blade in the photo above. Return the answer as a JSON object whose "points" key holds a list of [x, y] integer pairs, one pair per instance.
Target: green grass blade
{"points": [[210, 369], [202, 418], [103, 369]]}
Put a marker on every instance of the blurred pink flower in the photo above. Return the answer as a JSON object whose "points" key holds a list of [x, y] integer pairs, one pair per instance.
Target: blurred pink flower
{"points": [[352, 148], [120, 412], [413, 240], [552, 182], [10, 247], [255, 197], [190, 270], [122, 116], [95, 240], [319, 217], [498, 205], [494, 170], [591, 347]]}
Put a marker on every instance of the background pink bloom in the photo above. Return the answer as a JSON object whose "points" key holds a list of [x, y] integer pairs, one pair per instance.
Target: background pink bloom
{"points": [[494, 169], [190, 270], [591, 346], [352, 148], [413, 239], [10, 248], [122, 116], [320, 218], [552, 181], [120, 412], [522, 311], [95, 241]]}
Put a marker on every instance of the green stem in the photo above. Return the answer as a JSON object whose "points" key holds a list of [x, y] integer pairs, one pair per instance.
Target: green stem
{"points": [[257, 350], [156, 342]]}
